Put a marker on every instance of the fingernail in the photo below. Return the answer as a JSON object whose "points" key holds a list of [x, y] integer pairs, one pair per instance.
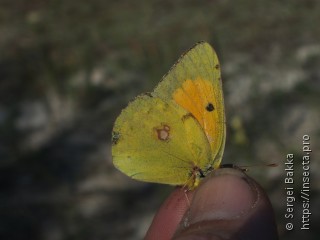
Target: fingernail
{"points": [[224, 195]]}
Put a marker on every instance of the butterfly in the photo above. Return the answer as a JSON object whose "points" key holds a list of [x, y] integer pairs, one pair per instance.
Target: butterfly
{"points": [[176, 134]]}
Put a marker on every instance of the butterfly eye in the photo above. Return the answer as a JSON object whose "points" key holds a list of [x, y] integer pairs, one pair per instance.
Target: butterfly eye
{"points": [[210, 107]]}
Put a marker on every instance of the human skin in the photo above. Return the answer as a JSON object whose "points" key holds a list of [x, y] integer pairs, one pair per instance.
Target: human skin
{"points": [[227, 205]]}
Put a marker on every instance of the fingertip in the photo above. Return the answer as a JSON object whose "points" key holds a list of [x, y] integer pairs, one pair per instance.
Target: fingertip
{"points": [[169, 216], [227, 204], [225, 194]]}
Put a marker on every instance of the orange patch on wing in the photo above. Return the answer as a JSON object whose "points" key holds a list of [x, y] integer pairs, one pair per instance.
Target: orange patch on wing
{"points": [[195, 96]]}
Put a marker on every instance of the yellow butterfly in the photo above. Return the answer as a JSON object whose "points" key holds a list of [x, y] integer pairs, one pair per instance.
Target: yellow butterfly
{"points": [[175, 134]]}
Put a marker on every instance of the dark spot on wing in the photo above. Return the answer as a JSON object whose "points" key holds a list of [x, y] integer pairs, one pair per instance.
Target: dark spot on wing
{"points": [[209, 107], [163, 132], [149, 94], [115, 138], [186, 116]]}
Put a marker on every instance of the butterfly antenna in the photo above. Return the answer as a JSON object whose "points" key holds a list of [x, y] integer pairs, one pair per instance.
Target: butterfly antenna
{"points": [[245, 168]]}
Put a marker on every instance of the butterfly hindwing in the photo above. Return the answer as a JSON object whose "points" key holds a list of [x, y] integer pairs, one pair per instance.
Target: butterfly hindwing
{"points": [[156, 142]]}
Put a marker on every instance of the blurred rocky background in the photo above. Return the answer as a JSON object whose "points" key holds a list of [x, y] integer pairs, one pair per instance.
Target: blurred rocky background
{"points": [[67, 68]]}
